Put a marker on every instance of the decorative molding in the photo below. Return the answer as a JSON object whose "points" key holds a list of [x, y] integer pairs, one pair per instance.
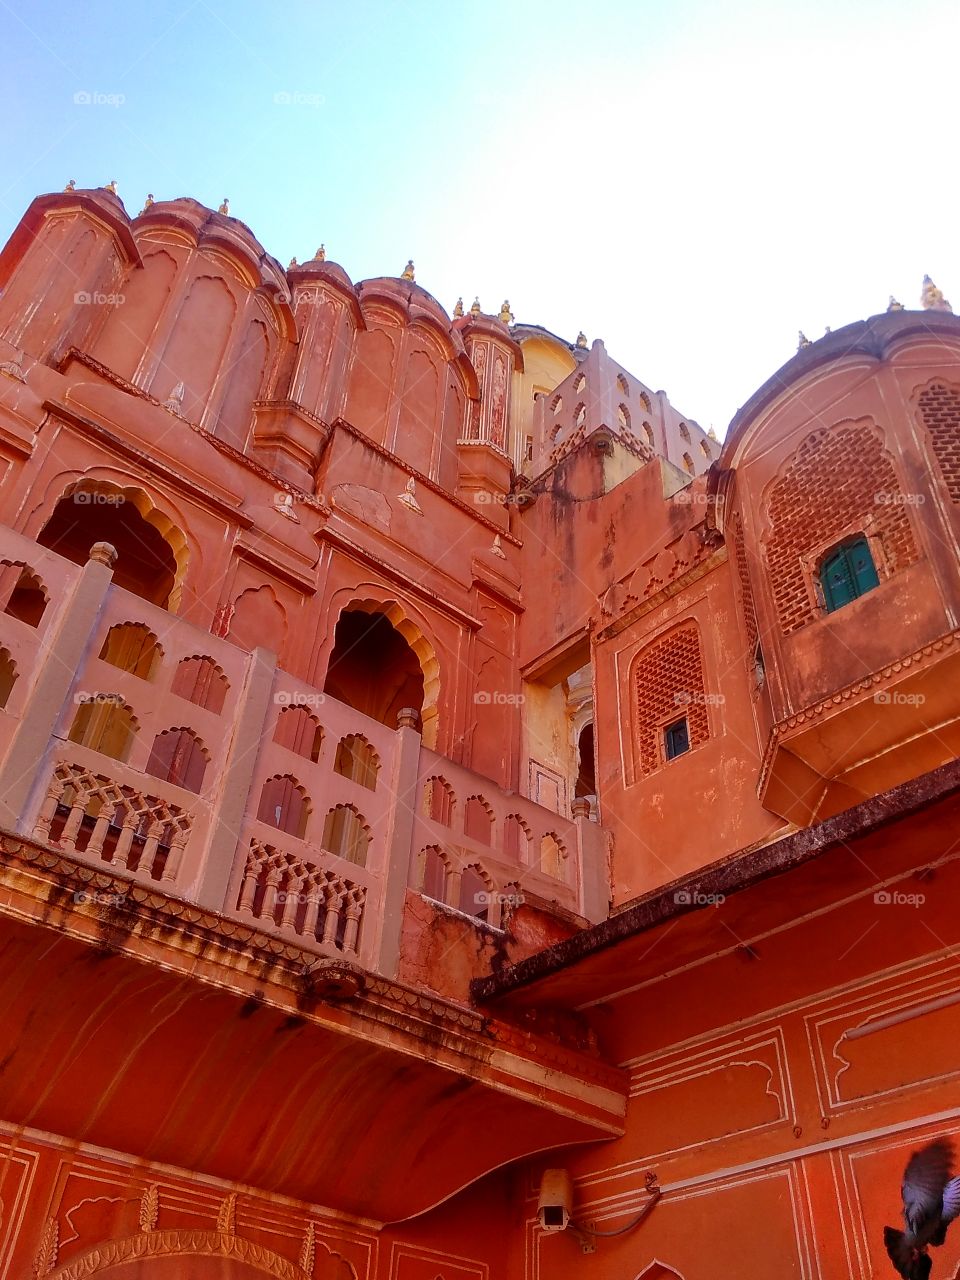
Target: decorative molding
{"points": [[46, 1258], [184, 1243], [150, 1208]]}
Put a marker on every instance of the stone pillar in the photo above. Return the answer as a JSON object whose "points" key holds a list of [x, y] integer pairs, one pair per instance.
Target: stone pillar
{"points": [[592, 849], [396, 873], [230, 803], [24, 774]]}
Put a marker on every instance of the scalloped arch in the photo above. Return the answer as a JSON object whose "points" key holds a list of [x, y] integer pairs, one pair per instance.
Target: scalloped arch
{"points": [[393, 611], [153, 514]]}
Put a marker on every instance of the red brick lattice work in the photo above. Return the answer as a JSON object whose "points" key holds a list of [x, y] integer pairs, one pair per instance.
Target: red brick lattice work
{"points": [[669, 685], [940, 411], [746, 591], [838, 480]]}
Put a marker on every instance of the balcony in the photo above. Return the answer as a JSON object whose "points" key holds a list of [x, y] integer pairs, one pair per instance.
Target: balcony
{"points": [[203, 870], [143, 745]]}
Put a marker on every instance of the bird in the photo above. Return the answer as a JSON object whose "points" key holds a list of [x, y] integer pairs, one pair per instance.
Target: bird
{"points": [[225, 207], [931, 1201]]}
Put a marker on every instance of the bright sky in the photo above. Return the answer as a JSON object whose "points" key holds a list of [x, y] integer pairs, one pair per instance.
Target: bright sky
{"points": [[692, 182]]}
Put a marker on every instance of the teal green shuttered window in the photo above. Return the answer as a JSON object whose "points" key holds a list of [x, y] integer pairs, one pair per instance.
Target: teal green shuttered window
{"points": [[846, 573]]}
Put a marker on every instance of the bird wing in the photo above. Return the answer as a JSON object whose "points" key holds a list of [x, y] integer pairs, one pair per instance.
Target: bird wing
{"points": [[951, 1200], [924, 1181]]}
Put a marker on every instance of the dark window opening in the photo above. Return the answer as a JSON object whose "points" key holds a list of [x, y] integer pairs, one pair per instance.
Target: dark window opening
{"points": [[676, 738], [586, 778], [372, 667]]}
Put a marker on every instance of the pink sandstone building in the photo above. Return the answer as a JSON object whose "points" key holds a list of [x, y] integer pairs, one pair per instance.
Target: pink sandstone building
{"points": [[434, 771]]}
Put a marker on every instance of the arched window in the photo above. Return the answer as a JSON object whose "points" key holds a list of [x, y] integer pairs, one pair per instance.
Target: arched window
{"points": [[22, 594], [434, 871], [8, 676], [579, 383], [476, 892], [684, 432], [705, 448], [623, 385], [132, 647], [516, 838], [645, 401], [846, 573], [373, 668], [200, 681], [438, 800], [104, 723], [477, 820], [357, 760], [551, 856], [299, 731], [284, 805], [178, 756], [648, 432], [346, 834], [688, 463], [146, 564], [623, 417]]}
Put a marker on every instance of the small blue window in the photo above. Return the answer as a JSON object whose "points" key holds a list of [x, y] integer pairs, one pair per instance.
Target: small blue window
{"points": [[846, 573], [676, 739]]}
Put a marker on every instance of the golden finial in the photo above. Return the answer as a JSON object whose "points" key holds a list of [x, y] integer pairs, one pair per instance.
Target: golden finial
{"points": [[111, 186], [148, 202], [894, 305], [713, 435], [826, 330], [475, 309], [458, 309], [802, 341], [321, 254], [408, 270], [71, 185], [505, 313], [582, 340], [225, 207], [293, 263], [932, 299]]}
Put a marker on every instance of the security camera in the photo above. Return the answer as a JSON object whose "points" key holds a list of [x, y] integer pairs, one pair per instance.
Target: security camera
{"points": [[556, 1200]]}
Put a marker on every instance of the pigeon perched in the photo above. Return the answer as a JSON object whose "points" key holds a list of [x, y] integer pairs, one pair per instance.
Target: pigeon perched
{"points": [[931, 1201]]}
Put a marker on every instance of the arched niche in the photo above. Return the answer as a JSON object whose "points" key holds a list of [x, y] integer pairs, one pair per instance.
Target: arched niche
{"points": [[152, 552], [358, 676]]}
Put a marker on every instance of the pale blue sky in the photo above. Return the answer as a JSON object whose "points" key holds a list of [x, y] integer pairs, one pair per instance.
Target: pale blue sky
{"points": [[692, 182]]}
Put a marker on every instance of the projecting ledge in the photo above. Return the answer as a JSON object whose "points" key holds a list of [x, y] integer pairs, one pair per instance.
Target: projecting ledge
{"points": [[252, 1064]]}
